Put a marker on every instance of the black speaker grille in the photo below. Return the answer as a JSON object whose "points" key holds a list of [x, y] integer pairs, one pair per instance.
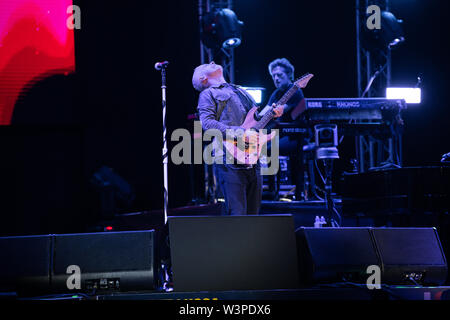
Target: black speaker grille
{"points": [[409, 246]]}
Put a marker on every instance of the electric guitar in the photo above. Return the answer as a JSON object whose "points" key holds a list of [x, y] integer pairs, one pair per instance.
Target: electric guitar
{"points": [[249, 153]]}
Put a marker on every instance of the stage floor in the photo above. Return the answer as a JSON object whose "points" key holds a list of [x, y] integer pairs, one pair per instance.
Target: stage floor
{"points": [[331, 292], [304, 213]]}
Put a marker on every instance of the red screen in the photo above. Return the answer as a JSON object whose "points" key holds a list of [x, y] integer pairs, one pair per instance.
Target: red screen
{"points": [[35, 42]]}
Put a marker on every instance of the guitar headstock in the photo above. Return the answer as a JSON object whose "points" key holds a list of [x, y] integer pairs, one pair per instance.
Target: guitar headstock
{"points": [[303, 81]]}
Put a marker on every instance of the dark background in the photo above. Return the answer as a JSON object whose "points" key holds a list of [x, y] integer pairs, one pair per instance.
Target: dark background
{"points": [[109, 111]]}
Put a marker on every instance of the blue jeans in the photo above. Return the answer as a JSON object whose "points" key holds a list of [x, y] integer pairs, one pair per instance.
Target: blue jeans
{"points": [[242, 189]]}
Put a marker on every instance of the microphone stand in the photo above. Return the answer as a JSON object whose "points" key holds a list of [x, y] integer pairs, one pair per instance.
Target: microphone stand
{"points": [[165, 274], [371, 80], [165, 154], [331, 208]]}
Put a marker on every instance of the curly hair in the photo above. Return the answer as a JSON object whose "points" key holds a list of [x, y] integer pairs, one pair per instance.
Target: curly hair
{"points": [[285, 64]]}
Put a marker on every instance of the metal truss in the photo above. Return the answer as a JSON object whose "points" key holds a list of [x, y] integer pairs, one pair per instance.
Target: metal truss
{"points": [[223, 56], [371, 61], [374, 76]]}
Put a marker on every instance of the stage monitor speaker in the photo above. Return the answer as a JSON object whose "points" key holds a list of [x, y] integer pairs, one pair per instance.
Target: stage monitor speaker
{"points": [[25, 264], [409, 255], [106, 261], [220, 253], [334, 254]]}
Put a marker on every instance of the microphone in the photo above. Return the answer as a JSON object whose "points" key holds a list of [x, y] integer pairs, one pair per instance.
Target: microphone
{"points": [[419, 82], [160, 65]]}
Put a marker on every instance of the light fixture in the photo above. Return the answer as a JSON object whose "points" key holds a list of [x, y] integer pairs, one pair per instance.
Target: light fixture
{"points": [[231, 43], [391, 30], [410, 95], [221, 28], [255, 92], [395, 42], [390, 34]]}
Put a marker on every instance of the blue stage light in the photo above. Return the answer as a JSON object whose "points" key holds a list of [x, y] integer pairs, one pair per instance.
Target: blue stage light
{"points": [[221, 28]]}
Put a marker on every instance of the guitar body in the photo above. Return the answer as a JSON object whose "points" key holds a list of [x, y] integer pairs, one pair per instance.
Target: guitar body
{"points": [[249, 153], [250, 121]]}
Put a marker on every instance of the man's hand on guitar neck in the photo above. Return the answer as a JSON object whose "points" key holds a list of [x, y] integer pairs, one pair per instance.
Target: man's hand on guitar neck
{"points": [[277, 110], [251, 136]]}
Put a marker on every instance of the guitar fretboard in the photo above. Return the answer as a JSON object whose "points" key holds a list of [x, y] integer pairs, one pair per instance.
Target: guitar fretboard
{"points": [[269, 115], [284, 99]]}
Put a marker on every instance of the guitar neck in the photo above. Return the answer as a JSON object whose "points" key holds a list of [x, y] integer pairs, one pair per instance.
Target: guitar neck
{"points": [[264, 120], [284, 99], [269, 115]]}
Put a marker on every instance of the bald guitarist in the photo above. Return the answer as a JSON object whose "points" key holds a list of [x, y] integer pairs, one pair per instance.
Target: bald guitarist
{"points": [[224, 106]]}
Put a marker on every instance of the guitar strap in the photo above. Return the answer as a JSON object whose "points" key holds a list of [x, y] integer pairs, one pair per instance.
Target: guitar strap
{"points": [[220, 110], [245, 100]]}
